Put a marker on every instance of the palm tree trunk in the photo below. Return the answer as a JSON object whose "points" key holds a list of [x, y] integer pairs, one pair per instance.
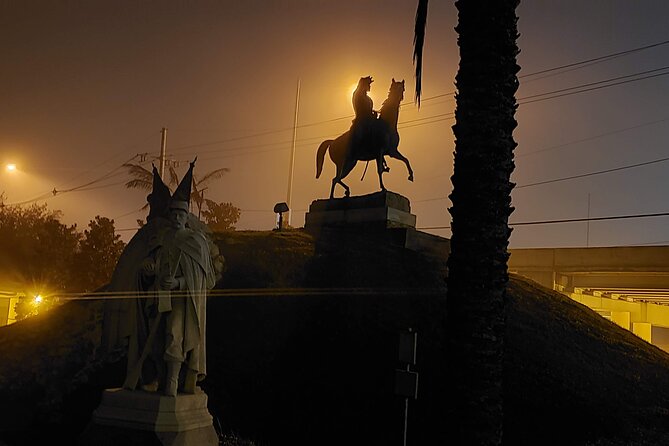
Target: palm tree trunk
{"points": [[486, 86]]}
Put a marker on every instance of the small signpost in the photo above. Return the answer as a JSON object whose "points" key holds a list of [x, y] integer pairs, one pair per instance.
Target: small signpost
{"points": [[406, 381], [280, 208]]}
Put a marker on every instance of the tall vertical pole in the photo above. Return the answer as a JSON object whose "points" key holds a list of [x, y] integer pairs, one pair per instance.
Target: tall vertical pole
{"points": [[406, 415], [163, 145], [587, 229], [292, 154]]}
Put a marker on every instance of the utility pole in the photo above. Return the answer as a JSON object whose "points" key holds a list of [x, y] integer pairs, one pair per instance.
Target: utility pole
{"points": [[587, 229], [292, 154], [163, 145]]}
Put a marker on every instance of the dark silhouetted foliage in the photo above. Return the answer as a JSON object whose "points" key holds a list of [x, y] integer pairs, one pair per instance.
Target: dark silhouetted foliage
{"points": [[220, 216]]}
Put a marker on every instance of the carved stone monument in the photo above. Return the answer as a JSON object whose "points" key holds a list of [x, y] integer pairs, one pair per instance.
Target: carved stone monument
{"points": [[166, 270]]}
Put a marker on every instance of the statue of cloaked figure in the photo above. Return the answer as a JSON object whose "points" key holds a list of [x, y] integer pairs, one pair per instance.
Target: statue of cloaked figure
{"points": [[365, 123], [169, 265]]}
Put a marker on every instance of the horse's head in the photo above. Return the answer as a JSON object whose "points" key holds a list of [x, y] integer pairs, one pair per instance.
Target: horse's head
{"points": [[396, 90]]}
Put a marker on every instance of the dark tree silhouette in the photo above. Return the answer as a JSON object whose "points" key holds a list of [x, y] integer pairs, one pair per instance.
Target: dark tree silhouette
{"points": [[484, 122], [221, 216], [99, 250]]}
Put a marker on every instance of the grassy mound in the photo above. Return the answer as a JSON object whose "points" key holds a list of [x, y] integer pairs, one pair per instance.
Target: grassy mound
{"points": [[316, 367]]}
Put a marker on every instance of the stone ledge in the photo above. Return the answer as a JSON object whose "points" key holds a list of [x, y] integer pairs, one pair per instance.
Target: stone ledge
{"points": [[153, 411], [375, 200], [99, 435], [380, 210]]}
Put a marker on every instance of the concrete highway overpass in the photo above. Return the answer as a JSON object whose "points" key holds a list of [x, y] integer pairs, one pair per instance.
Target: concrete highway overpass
{"points": [[627, 285]]}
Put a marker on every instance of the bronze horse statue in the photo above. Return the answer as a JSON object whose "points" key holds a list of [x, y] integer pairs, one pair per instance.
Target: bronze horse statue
{"points": [[382, 140]]}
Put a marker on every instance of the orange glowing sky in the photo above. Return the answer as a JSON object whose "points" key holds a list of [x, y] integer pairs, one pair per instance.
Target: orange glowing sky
{"points": [[85, 86]]}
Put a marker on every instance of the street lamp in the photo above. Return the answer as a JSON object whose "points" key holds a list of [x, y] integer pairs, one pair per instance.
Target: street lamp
{"points": [[11, 167]]}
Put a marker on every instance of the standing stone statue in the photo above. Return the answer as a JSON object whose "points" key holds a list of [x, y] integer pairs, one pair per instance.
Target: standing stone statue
{"points": [[169, 265]]}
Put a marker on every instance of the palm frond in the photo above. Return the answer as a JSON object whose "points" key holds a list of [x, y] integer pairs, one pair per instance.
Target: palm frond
{"points": [[139, 184], [418, 42], [174, 178], [210, 203], [213, 175], [197, 197], [139, 172]]}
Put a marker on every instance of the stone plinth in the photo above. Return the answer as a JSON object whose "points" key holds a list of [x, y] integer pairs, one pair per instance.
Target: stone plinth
{"points": [[378, 210], [127, 417]]}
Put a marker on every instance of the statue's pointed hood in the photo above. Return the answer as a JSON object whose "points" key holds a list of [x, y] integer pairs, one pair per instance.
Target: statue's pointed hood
{"points": [[181, 197], [159, 198]]}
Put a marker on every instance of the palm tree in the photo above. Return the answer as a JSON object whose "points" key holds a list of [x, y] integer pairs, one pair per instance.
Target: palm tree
{"points": [[143, 179], [484, 122], [199, 186]]}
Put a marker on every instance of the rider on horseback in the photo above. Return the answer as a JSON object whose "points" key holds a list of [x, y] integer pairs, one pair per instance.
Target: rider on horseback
{"points": [[365, 116]]}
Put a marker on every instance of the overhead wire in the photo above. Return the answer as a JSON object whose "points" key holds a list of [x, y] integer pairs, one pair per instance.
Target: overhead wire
{"points": [[591, 86], [599, 172], [420, 121], [581, 63], [82, 187], [589, 62], [567, 220], [521, 101], [429, 120], [571, 177], [590, 138]]}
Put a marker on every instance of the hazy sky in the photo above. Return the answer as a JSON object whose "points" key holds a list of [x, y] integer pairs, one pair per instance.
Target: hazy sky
{"points": [[87, 85]]}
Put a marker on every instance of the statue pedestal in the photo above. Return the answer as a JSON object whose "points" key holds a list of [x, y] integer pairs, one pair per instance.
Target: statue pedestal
{"points": [[380, 210], [127, 418]]}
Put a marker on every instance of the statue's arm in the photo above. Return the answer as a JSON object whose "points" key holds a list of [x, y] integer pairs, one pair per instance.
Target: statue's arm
{"points": [[178, 282]]}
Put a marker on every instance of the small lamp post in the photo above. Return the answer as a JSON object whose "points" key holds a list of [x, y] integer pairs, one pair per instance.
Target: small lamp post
{"points": [[280, 208]]}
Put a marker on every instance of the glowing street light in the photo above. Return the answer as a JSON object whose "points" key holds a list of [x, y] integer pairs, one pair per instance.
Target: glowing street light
{"points": [[11, 167], [38, 299]]}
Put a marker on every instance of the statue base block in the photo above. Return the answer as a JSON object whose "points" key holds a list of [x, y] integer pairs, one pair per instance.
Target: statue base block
{"points": [[126, 417], [380, 210]]}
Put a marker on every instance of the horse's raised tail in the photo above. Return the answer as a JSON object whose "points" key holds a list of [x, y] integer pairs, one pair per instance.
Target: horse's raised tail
{"points": [[320, 156]]}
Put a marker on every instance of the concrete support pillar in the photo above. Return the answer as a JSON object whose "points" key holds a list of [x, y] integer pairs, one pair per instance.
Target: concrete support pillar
{"points": [[643, 330], [621, 318]]}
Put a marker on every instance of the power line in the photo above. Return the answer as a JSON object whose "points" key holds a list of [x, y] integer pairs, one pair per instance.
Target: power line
{"points": [[435, 119], [110, 158], [523, 101], [570, 220], [582, 63], [581, 89], [572, 177], [82, 187], [597, 59], [599, 172], [422, 121], [575, 65], [590, 138]]}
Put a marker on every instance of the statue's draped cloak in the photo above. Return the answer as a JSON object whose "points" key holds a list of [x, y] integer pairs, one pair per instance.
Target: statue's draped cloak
{"points": [[126, 321]]}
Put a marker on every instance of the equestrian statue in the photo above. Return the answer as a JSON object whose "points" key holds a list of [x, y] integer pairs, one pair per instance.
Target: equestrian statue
{"points": [[372, 136]]}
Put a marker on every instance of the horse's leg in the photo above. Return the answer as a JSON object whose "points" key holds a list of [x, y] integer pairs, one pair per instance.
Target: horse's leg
{"points": [[346, 169], [379, 169], [342, 171], [336, 179], [397, 155]]}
